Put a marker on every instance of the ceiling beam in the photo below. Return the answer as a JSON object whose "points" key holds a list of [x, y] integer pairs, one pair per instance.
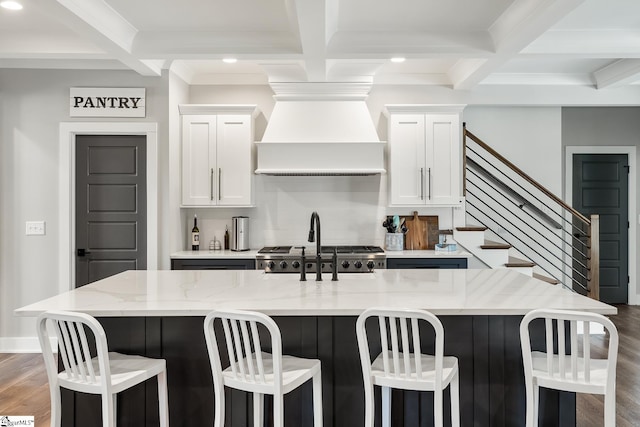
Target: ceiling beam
{"points": [[96, 21], [608, 43], [310, 21], [621, 72], [522, 23]]}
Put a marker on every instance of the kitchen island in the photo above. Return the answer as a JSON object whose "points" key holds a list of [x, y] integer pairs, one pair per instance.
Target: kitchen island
{"points": [[160, 314]]}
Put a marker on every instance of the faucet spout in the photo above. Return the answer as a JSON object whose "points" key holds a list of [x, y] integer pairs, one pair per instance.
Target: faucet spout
{"points": [[315, 221]]}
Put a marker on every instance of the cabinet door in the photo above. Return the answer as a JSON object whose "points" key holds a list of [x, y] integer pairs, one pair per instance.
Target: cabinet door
{"points": [[407, 159], [234, 172], [443, 159], [198, 160]]}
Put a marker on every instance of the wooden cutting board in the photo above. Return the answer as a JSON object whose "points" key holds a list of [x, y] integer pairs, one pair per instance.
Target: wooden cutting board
{"points": [[422, 231]]}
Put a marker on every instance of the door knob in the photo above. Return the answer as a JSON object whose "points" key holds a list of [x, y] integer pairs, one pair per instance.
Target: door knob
{"points": [[83, 252]]}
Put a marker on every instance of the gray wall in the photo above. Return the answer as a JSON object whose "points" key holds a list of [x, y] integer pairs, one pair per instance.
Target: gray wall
{"points": [[34, 102], [607, 126], [32, 105]]}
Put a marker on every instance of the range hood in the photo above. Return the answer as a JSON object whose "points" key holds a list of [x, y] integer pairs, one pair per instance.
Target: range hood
{"points": [[320, 129]]}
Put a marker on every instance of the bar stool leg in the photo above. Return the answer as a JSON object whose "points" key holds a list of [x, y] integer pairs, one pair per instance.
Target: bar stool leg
{"points": [[454, 389], [258, 409], [437, 408], [610, 409], [317, 400], [163, 399], [108, 408], [368, 404], [218, 419], [278, 410], [386, 407]]}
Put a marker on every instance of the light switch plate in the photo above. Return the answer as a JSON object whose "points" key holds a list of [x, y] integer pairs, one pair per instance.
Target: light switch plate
{"points": [[35, 228]]}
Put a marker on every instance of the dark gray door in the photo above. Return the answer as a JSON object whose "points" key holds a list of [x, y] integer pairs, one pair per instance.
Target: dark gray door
{"points": [[111, 207], [601, 186]]}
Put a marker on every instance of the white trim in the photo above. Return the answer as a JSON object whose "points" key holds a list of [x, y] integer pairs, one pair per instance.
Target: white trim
{"points": [[630, 151], [23, 344], [251, 109], [68, 132]]}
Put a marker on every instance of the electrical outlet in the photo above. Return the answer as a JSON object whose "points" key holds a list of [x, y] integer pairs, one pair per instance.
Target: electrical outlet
{"points": [[35, 228]]}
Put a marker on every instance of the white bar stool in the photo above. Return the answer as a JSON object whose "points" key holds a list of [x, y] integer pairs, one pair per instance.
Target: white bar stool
{"points": [[568, 368], [401, 365], [106, 374], [255, 371]]}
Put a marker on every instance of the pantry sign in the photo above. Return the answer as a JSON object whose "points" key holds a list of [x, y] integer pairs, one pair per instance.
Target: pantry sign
{"points": [[107, 102]]}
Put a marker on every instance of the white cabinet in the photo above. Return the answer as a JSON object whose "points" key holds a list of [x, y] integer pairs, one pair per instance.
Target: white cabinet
{"points": [[425, 164], [217, 158]]}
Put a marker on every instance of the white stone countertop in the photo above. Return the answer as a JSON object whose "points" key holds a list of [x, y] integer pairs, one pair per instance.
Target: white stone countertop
{"points": [[427, 254], [228, 254], [223, 254], [196, 292]]}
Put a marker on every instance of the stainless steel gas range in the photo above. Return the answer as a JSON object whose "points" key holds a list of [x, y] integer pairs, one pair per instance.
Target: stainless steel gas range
{"points": [[351, 259]]}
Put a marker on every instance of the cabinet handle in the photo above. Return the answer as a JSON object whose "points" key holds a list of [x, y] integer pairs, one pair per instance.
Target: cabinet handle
{"points": [[219, 175], [233, 123], [429, 183], [408, 123], [421, 183], [211, 186]]}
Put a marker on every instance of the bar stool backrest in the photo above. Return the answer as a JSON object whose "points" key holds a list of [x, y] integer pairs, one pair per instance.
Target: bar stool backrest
{"points": [[400, 342], [572, 362], [74, 350], [242, 342]]}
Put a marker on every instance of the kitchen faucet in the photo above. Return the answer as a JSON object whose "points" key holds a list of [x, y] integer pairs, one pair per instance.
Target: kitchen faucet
{"points": [[315, 219]]}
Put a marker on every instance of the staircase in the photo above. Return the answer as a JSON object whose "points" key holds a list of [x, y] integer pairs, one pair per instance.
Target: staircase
{"points": [[495, 254], [522, 225]]}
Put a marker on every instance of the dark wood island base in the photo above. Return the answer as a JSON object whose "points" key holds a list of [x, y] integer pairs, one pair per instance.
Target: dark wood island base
{"points": [[488, 348]]}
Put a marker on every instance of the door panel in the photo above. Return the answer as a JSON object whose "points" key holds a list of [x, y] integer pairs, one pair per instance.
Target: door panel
{"points": [[234, 172], [600, 186], [443, 157], [110, 205], [408, 159], [199, 179]]}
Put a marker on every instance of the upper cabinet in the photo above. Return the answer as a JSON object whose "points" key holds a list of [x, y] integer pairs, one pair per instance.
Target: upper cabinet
{"points": [[425, 165], [217, 158]]}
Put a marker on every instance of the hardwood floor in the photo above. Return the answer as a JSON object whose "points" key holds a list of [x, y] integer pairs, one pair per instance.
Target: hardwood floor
{"points": [[24, 389], [590, 408]]}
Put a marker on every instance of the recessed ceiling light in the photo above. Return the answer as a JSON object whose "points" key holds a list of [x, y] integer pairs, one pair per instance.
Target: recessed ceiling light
{"points": [[12, 5], [398, 59], [229, 60]]}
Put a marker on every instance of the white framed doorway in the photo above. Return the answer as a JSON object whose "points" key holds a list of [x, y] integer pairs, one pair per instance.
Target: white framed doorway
{"points": [[66, 188], [630, 151]]}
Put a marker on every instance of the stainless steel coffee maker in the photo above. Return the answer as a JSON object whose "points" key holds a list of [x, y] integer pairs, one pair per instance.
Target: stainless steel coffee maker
{"points": [[239, 240]]}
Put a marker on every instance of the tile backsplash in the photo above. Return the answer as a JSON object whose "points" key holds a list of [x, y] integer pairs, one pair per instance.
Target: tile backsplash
{"points": [[351, 211]]}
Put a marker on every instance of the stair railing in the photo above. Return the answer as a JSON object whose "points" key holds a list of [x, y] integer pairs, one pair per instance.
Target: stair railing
{"points": [[522, 212]]}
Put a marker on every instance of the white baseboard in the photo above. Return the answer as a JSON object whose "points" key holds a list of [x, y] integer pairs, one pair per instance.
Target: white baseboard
{"points": [[21, 345]]}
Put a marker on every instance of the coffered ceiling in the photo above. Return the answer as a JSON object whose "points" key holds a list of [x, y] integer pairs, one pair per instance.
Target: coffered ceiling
{"points": [[458, 44]]}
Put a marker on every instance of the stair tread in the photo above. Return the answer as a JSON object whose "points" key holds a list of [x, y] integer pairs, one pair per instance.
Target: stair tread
{"points": [[517, 262], [479, 228], [488, 244], [448, 231], [545, 279]]}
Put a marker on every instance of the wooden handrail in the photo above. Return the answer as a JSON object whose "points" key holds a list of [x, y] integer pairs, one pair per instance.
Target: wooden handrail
{"points": [[524, 176], [593, 223], [593, 283]]}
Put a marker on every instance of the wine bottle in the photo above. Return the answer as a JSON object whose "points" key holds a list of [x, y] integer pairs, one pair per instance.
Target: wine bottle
{"points": [[195, 235], [226, 237]]}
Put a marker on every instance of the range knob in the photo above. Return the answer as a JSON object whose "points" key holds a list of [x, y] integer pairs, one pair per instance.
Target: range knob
{"points": [[271, 265], [357, 264], [370, 265], [345, 264], [283, 264], [295, 264]]}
